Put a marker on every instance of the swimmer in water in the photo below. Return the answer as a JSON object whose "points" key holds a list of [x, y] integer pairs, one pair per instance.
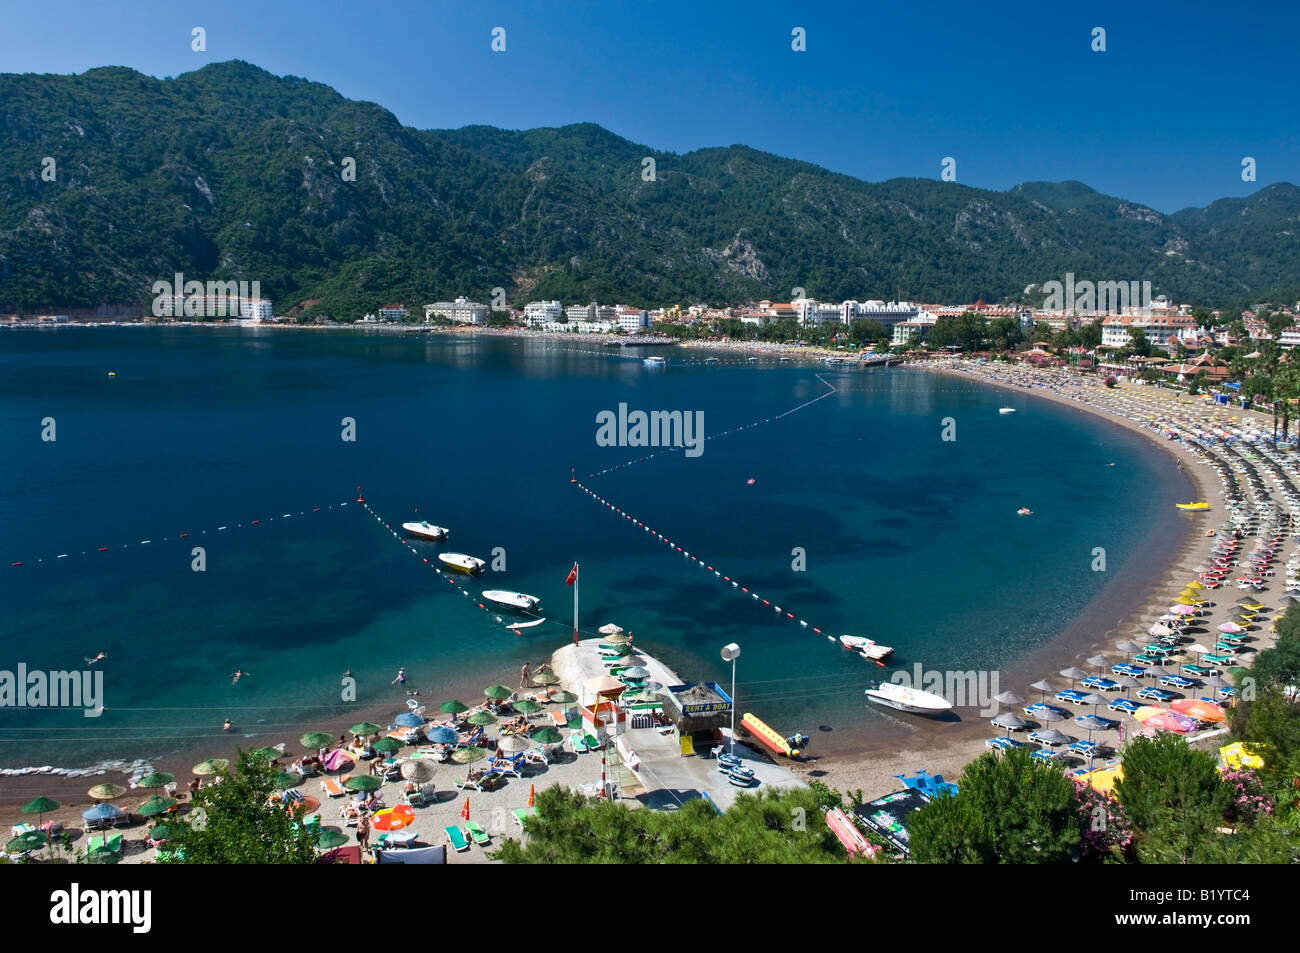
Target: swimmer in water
{"points": [[227, 726], [238, 674], [401, 677], [348, 673], [92, 661]]}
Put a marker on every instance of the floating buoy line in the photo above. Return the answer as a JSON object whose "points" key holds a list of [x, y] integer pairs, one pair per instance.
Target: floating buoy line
{"points": [[163, 539]]}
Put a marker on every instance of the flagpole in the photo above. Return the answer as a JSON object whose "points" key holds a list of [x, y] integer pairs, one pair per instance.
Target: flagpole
{"points": [[576, 583]]}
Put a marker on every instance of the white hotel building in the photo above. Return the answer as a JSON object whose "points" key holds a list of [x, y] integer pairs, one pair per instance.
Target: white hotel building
{"points": [[1160, 327], [541, 313], [258, 309], [460, 311]]}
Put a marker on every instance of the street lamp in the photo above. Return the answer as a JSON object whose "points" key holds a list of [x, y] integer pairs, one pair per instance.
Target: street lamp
{"points": [[729, 654]]}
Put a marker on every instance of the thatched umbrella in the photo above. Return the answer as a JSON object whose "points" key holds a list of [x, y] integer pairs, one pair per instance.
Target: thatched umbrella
{"points": [[419, 770], [106, 792], [468, 755]]}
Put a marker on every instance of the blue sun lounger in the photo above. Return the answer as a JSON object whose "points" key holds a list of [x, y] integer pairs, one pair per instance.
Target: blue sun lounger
{"points": [[1071, 695]]}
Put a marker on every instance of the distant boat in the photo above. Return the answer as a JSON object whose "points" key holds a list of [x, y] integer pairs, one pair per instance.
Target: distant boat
{"points": [[712, 360], [1193, 506], [655, 361], [426, 530], [461, 562], [869, 648], [1025, 511], [524, 625], [749, 482], [518, 601], [907, 699], [1006, 410]]}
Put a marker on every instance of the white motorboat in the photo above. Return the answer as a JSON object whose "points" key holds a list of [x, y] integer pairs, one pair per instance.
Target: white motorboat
{"points": [[655, 362], [905, 698], [426, 530], [869, 648], [1006, 410], [461, 562], [518, 601]]}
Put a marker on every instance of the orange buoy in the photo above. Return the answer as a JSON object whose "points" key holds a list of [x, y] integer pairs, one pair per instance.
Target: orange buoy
{"points": [[360, 498]]}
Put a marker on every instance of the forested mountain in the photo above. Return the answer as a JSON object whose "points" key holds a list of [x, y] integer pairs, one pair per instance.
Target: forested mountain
{"points": [[230, 172]]}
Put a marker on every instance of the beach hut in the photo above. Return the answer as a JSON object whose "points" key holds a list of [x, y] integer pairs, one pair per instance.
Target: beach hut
{"points": [[699, 710]]}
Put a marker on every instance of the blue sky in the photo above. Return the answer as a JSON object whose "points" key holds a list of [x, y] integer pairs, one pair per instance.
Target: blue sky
{"points": [[1163, 117]]}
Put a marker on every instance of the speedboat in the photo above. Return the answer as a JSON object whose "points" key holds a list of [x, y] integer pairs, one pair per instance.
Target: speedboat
{"points": [[868, 647], [729, 762], [461, 562], [741, 777], [519, 601], [426, 530], [907, 699], [1006, 410], [655, 361], [1025, 511]]}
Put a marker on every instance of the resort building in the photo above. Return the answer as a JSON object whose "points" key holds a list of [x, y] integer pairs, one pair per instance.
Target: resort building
{"points": [[920, 327], [1289, 337], [394, 312], [460, 311], [580, 313], [1159, 327], [258, 309], [630, 319], [539, 313], [813, 313]]}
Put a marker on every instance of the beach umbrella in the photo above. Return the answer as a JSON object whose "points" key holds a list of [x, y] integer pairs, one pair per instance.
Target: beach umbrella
{"points": [[336, 759], [284, 780], [623, 650], [156, 805], [1215, 682], [526, 706], [1007, 698], [1093, 699], [39, 806], [1072, 673], [1127, 682], [1044, 686], [387, 745], [1201, 711], [266, 754], [498, 692], [315, 740], [409, 719], [161, 832], [646, 695], [619, 638], [468, 755], [482, 718], [330, 837], [1049, 715], [609, 628], [1231, 628], [365, 728], [1053, 737], [394, 818], [1009, 720], [363, 782], [211, 766], [156, 780], [308, 805], [442, 735], [106, 792], [102, 812], [1090, 723], [1099, 661], [547, 736], [420, 770], [1157, 630], [453, 707], [1182, 609], [25, 842], [563, 698], [513, 743], [546, 678]]}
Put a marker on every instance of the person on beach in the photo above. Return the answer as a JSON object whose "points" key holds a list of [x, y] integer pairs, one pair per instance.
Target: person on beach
{"points": [[194, 787], [363, 832], [525, 676], [228, 725]]}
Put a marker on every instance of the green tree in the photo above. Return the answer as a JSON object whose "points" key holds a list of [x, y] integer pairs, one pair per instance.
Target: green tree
{"points": [[949, 830], [1174, 797], [1139, 343], [238, 821]]}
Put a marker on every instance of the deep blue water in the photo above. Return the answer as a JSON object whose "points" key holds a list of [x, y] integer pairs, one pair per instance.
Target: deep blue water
{"points": [[909, 539]]}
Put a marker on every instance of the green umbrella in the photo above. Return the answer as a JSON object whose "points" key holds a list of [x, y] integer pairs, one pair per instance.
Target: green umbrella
{"points": [[162, 832], [106, 792], [468, 755], [365, 728], [498, 692], [387, 744], [547, 736], [316, 740], [156, 780], [25, 842], [363, 782], [155, 805], [482, 718], [546, 678], [102, 855], [453, 707], [285, 780], [39, 806], [211, 766], [564, 698], [265, 754], [526, 706], [330, 837]]}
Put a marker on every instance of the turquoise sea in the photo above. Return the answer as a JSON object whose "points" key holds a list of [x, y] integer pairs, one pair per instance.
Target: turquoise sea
{"points": [[908, 538]]}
